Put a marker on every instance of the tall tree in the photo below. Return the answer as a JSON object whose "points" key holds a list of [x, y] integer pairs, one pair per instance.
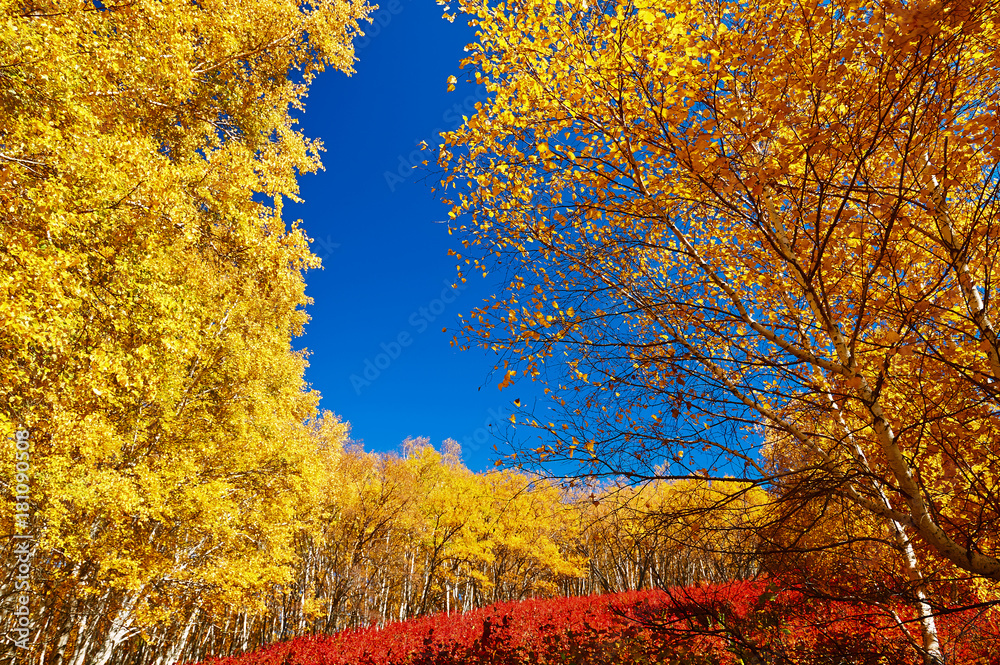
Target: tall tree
{"points": [[728, 224], [150, 294]]}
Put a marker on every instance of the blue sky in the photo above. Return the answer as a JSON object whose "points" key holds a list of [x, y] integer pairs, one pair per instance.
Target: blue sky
{"points": [[379, 357]]}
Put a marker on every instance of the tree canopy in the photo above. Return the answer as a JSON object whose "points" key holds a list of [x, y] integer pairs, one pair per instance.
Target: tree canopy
{"points": [[151, 290], [753, 240]]}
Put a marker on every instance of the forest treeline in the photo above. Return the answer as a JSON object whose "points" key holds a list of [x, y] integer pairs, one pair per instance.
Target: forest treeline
{"points": [[387, 537]]}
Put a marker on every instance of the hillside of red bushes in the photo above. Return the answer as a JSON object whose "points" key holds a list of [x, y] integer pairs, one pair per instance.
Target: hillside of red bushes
{"points": [[744, 622]]}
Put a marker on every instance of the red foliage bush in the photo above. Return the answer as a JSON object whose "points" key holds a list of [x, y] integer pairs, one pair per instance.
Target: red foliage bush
{"points": [[748, 622]]}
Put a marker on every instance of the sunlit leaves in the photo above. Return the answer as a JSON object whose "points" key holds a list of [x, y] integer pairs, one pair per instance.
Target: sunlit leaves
{"points": [[151, 291], [769, 220]]}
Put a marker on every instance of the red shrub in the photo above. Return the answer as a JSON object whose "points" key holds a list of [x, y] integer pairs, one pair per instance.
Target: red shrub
{"points": [[752, 622]]}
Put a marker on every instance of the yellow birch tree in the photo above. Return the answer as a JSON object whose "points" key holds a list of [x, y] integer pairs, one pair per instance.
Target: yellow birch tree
{"points": [[151, 290], [724, 224]]}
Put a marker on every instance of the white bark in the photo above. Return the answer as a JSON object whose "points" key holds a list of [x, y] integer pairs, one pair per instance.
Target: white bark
{"points": [[177, 648], [122, 627]]}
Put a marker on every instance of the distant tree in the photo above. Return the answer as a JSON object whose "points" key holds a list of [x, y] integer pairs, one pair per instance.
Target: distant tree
{"points": [[670, 534]]}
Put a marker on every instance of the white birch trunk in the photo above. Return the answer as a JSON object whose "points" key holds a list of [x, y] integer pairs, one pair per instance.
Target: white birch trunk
{"points": [[177, 648], [122, 627]]}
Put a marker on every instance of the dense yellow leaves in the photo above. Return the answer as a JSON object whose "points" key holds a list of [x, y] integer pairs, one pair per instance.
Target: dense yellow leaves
{"points": [[393, 536], [150, 292], [397, 536]]}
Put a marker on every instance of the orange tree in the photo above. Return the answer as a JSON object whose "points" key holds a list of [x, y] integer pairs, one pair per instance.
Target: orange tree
{"points": [[723, 225]]}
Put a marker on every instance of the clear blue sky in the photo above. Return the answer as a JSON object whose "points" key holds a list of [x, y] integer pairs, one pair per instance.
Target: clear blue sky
{"points": [[386, 271]]}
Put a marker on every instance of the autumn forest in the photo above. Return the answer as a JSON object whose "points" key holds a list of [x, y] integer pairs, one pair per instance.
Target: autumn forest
{"points": [[744, 252]]}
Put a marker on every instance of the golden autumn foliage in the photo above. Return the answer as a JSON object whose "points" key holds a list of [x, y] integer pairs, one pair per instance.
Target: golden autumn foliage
{"points": [[732, 227], [380, 538], [672, 534], [404, 535], [150, 294], [756, 245]]}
